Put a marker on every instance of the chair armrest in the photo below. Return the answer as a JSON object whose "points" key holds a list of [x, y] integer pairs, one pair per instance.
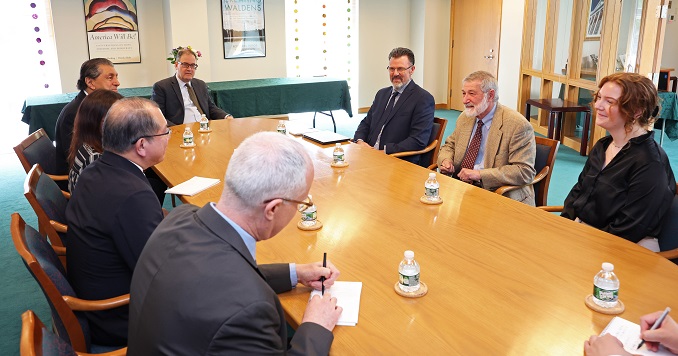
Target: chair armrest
{"points": [[59, 250], [433, 167], [507, 188], [67, 195], [551, 209], [670, 254], [118, 352], [58, 177], [59, 227], [78, 304], [412, 153]]}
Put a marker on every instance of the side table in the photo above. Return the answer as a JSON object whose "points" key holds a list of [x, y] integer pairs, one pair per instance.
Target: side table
{"points": [[556, 107]]}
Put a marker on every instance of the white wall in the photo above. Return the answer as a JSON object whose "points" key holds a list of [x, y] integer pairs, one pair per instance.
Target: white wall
{"points": [[670, 53], [512, 13]]}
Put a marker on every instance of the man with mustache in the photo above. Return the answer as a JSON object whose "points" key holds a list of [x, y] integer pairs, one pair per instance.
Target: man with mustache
{"points": [[182, 98], [401, 116], [492, 145]]}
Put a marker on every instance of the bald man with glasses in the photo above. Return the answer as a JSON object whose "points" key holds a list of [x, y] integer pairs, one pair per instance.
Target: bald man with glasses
{"points": [[401, 116], [182, 98]]}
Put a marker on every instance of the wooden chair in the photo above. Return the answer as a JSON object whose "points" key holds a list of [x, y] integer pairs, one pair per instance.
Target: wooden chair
{"points": [[37, 340], [42, 262], [668, 237], [38, 148], [543, 164], [49, 203], [429, 155]]}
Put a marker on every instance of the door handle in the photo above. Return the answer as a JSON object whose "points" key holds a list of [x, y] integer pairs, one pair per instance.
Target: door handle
{"points": [[489, 57]]}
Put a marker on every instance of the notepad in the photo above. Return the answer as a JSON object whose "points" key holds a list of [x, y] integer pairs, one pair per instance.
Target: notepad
{"points": [[348, 297], [629, 334], [193, 186]]}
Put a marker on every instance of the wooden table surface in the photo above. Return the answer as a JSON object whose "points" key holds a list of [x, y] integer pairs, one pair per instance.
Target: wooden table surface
{"points": [[504, 278]]}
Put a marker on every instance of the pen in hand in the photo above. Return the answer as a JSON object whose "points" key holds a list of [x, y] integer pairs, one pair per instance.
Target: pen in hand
{"points": [[657, 323], [322, 279]]}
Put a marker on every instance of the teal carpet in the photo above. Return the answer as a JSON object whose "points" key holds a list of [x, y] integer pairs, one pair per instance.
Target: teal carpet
{"points": [[20, 292]]}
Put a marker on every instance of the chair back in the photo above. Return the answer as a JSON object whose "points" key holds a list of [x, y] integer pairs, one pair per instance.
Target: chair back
{"points": [[37, 340], [668, 237], [37, 148], [43, 263], [546, 157], [430, 158], [48, 202]]}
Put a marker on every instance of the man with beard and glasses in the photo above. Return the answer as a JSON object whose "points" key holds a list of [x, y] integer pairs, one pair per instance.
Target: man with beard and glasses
{"points": [[401, 116], [492, 145]]}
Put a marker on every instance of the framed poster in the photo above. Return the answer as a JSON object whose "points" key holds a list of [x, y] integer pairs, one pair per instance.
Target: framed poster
{"points": [[595, 22], [113, 30], [243, 28]]}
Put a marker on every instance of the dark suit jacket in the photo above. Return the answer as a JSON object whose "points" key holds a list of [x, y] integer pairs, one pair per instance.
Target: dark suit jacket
{"points": [[408, 127], [167, 94], [110, 217], [198, 291], [64, 132]]}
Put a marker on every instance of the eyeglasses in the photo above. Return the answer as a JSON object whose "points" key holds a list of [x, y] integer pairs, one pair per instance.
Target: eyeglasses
{"points": [[188, 65], [169, 132], [400, 70], [302, 205]]}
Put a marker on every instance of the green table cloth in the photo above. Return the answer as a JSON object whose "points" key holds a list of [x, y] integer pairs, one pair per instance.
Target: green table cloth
{"points": [[669, 113]]}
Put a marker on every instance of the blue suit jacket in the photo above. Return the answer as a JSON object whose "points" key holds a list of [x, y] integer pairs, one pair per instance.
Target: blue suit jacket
{"points": [[167, 94], [407, 128]]}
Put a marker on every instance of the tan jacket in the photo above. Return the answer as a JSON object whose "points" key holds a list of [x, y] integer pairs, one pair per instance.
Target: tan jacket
{"points": [[509, 152]]}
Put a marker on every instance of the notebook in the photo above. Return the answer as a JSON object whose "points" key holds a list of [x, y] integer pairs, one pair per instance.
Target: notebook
{"points": [[325, 137], [348, 297], [629, 334], [192, 186]]}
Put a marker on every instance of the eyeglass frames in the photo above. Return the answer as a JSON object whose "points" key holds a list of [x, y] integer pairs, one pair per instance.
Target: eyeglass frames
{"points": [[302, 205], [400, 69], [188, 65], [169, 132]]}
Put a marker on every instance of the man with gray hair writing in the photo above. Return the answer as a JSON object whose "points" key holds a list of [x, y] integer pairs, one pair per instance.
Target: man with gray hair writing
{"points": [[197, 288]]}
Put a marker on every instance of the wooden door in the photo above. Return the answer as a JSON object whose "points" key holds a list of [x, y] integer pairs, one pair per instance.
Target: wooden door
{"points": [[475, 42]]}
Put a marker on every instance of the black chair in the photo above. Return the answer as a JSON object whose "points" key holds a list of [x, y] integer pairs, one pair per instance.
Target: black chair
{"points": [[38, 148], [49, 203], [429, 155], [668, 237]]}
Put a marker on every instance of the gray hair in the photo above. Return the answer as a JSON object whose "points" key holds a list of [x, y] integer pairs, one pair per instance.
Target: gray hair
{"points": [[267, 165], [402, 51], [487, 82], [126, 121], [90, 69]]}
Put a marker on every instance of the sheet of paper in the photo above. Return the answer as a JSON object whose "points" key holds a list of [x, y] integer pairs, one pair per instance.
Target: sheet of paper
{"points": [[193, 186], [629, 334], [348, 297], [299, 129]]}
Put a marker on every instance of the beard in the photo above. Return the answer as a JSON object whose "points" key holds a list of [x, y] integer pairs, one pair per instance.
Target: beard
{"points": [[478, 109]]}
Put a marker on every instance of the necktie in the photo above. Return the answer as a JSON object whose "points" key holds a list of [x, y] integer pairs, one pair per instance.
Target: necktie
{"points": [[473, 148], [194, 99], [387, 111]]}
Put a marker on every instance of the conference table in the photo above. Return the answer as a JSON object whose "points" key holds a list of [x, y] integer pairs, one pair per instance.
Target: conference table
{"points": [[240, 98], [503, 278]]}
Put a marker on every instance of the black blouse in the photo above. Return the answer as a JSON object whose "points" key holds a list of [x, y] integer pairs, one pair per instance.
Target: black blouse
{"points": [[630, 196]]}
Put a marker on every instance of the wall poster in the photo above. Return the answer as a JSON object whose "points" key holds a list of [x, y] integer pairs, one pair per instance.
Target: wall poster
{"points": [[113, 30], [243, 28]]}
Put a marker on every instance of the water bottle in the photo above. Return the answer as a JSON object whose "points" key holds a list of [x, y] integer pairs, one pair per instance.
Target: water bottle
{"points": [[281, 127], [188, 137], [309, 216], [408, 270], [432, 187], [204, 123], [606, 287], [338, 154]]}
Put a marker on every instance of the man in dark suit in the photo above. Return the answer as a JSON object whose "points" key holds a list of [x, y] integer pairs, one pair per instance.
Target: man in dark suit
{"points": [[197, 288], [401, 116], [96, 73], [114, 211], [183, 98]]}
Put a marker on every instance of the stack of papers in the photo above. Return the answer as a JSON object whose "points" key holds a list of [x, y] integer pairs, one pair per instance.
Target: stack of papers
{"points": [[193, 186], [348, 297], [629, 334]]}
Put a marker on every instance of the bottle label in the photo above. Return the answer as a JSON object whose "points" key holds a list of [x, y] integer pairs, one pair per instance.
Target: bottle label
{"points": [[309, 216], [282, 130], [188, 140], [409, 281], [432, 192], [606, 295], [338, 158], [204, 125]]}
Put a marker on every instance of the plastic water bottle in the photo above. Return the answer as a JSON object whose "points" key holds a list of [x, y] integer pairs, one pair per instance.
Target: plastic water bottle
{"points": [[188, 137], [606, 287], [204, 123], [309, 216], [281, 127], [432, 187], [338, 154], [408, 270]]}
